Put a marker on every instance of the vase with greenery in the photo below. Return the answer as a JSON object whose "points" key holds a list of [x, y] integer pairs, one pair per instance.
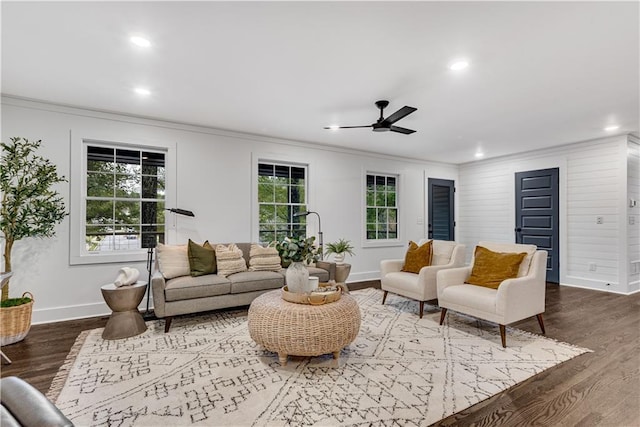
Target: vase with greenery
{"points": [[297, 251], [339, 249], [30, 207]]}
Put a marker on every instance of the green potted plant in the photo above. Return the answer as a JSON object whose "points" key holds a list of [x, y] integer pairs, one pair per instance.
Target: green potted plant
{"points": [[297, 251], [30, 208], [339, 249]]}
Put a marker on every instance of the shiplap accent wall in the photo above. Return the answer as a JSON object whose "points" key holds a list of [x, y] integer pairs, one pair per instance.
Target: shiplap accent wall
{"points": [[593, 180], [633, 220]]}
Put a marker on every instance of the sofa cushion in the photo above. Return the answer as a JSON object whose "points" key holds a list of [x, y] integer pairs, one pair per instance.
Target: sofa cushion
{"points": [[417, 257], [492, 268], [202, 258], [249, 281], [264, 258], [187, 287], [229, 260], [173, 260]]}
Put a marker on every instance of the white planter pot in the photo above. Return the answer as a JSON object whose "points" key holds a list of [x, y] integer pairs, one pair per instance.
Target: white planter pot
{"points": [[297, 278], [338, 258]]}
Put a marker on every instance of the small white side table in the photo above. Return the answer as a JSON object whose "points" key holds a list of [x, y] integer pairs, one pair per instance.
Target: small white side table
{"points": [[125, 321]]}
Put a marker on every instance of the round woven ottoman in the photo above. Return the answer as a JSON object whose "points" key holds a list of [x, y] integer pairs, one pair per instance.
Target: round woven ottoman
{"points": [[300, 329]]}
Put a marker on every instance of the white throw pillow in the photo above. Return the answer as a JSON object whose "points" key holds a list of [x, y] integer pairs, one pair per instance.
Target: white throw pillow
{"points": [[173, 260], [229, 260], [264, 259]]}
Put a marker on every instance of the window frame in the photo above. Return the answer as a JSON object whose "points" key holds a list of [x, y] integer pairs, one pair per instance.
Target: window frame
{"points": [[281, 160], [398, 240], [78, 254]]}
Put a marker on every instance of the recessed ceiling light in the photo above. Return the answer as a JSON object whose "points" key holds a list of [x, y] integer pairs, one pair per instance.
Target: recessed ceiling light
{"points": [[334, 127], [612, 128], [479, 154], [459, 65], [142, 91], [140, 41]]}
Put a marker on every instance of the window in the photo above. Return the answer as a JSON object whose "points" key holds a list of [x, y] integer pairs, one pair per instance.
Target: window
{"points": [[282, 192], [382, 207], [125, 199]]}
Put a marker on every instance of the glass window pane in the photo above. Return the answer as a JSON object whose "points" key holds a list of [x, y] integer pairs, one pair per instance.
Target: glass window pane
{"points": [[391, 199], [267, 214], [152, 187], [127, 213], [265, 193], [99, 184], [281, 193], [381, 199], [382, 234], [371, 235], [371, 227], [94, 237], [282, 214], [99, 212], [128, 185], [371, 198], [393, 215], [100, 159], [392, 235], [382, 216], [391, 183], [297, 194], [371, 215]]}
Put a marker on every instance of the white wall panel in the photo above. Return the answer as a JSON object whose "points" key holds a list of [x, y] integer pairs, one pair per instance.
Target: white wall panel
{"points": [[633, 213], [214, 179], [591, 174]]}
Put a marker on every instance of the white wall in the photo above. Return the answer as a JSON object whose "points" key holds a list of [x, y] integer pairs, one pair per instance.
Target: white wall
{"points": [[633, 220], [214, 179], [592, 183]]}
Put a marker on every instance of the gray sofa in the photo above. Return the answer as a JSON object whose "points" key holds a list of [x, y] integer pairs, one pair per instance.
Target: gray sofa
{"points": [[186, 294]]}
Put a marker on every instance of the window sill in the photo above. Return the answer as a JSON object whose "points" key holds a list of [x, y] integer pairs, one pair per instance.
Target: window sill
{"points": [[101, 258], [382, 243]]}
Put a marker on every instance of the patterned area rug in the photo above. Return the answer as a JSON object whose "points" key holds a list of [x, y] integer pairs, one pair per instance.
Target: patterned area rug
{"points": [[400, 370]]}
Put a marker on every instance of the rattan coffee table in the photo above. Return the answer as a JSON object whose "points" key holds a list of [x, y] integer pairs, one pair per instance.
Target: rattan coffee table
{"points": [[303, 330]]}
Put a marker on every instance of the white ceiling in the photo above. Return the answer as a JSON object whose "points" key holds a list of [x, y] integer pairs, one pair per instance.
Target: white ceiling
{"points": [[540, 74]]}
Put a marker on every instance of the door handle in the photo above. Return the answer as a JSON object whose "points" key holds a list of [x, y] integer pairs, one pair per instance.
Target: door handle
{"points": [[518, 230]]}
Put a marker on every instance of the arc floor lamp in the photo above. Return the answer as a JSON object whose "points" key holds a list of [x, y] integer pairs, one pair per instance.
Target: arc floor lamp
{"points": [[320, 245], [150, 249]]}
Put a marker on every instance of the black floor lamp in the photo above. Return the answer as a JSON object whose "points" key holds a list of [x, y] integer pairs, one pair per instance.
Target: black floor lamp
{"points": [[320, 245], [150, 254]]}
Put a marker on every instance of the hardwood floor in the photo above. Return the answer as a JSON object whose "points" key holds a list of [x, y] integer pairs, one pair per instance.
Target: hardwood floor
{"points": [[595, 389]]}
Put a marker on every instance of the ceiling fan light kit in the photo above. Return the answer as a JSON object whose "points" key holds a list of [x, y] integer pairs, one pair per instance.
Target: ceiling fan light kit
{"points": [[382, 124]]}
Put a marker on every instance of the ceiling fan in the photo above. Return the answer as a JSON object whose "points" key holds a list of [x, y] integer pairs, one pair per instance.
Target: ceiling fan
{"points": [[384, 125]]}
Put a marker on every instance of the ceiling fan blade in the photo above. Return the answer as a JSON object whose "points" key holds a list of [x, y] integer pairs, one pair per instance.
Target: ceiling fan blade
{"points": [[403, 112], [401, 130], [347, 127]]}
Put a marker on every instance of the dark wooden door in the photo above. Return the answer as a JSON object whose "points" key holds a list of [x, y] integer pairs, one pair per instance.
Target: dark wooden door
{"points": [[441, 210], [537, 215]]}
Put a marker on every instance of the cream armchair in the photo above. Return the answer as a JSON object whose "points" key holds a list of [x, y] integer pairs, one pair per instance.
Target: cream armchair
{"points": [[421, 286], [515, 299]]}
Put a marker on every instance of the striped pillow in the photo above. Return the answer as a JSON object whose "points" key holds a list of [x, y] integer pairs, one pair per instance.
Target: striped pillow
{"points": [[229, 260], [264, 259]]}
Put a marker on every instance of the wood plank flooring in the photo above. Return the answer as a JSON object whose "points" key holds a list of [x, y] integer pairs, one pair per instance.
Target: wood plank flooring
{"points": [[596, 389]]}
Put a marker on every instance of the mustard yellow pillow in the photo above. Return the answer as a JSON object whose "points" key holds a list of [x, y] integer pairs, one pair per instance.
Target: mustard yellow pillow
{"points": [[418, 257], [491, 268]]}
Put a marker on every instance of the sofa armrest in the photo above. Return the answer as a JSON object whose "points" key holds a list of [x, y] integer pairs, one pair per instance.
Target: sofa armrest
{"points": [[158, 284], [390, 266], [451, 277], [329, 266]]}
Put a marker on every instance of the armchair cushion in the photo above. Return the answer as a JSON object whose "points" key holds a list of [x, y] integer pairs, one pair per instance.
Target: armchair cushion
{"points": [[492, 268], [417, 257]]}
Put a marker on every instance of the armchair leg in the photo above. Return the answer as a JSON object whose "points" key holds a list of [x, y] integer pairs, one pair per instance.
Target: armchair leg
{"points": [[503, 336], [421, 308], [384, 297], [541, 323], [167, 324], [443, 312]]}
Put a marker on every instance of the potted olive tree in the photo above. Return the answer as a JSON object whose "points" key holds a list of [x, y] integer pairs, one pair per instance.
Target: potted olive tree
{"points": [[30, 208]]}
